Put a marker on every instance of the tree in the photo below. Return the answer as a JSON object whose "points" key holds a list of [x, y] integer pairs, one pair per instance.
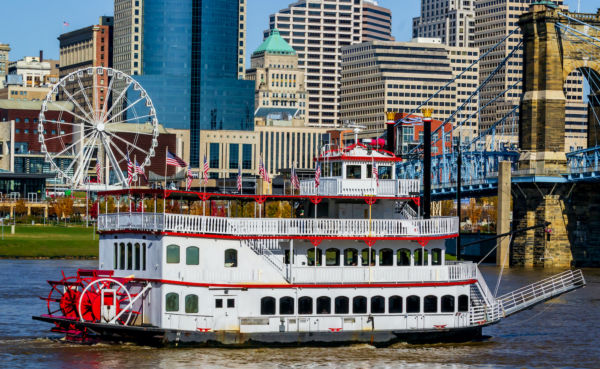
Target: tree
{"points": [[272, 209], [20, 207], [62, 207]]}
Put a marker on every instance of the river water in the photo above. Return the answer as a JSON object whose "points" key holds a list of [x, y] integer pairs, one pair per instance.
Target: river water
{"points": [[563, 332]]}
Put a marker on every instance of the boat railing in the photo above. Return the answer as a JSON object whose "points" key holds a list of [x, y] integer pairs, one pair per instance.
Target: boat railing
{"points": [[486, 314], [283, 227], [361, 187]]}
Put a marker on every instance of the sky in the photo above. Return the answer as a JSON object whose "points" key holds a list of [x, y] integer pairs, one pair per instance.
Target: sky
{"points": [[33, 25]]}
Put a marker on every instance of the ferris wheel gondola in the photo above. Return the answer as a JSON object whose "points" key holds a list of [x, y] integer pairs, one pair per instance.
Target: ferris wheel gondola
{"points": [[109, 119]]}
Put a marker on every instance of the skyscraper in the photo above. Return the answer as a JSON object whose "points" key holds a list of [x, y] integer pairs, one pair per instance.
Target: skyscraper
{"points": [[317, 29], [453, 21], [4, 51], [190, 60]]}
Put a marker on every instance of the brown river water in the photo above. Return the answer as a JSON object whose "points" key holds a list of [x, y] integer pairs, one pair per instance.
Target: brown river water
{"points": [[564, 332]]}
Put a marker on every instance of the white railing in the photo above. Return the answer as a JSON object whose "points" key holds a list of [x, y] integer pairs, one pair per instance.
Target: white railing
{"points": [[392, 274], [361, 187], [283, 227], [486, 314]]}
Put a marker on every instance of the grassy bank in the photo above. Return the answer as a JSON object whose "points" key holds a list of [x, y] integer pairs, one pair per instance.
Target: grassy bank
{"points": [[49, 242]]}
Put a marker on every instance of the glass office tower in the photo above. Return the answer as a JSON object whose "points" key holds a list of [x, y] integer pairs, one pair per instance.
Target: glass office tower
{"points": [[191, 62]]}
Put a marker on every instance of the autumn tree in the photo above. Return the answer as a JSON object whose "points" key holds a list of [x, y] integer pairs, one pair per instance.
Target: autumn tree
{"points": [[20, 207]]}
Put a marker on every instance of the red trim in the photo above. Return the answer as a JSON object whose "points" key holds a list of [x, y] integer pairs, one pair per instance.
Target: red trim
{"points": [[282, 237], [358, 158], [262, 286]]}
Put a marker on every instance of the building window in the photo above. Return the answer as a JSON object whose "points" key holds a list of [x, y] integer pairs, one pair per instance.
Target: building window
{"points": [[377, 305], [267, 306], [386, 257], [191, 304], [332, 257], [137, 256], [342, 305], [172, 302], [436, 257], [246, 156], [192, 255], [359, 305], [234, 156], [365, 257], [122, 256], [286, 305], [172, 254], [305, 305], [218, 303], [463, 303], [310, 255], [230, 258], [350, 257], [214, 155], [403, 257]]}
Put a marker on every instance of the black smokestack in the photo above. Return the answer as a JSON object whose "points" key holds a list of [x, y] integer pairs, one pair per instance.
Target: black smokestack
{"points": [[41, 55], [427, 164], [390, 124]]}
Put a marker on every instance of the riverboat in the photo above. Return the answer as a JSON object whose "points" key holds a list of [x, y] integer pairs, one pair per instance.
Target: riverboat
{"points": [[355, 262]]}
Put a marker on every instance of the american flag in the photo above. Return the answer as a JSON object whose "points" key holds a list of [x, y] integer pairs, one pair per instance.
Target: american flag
{"points": [[295, 181], [140, 170], [318, 175], [375, 172], [98, 171], [65, 23], [239, 180], [129, 171], [262, 172], [175, 161], [189, 179], [206, 167]]}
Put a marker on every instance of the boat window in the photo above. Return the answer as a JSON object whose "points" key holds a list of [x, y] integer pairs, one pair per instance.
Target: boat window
{"points": [[420, 257], [395, 304], [385, 171], [219, 303], [353, 171], [172, 254], [323, 305], [369, 173], [116, 258], [172, 302], [286, 305], [129, 256], [336, 169], [436, 257], [121, 255], [137, 256], [267, 306], [305, 305], [413, 304], [359, 305], [143, 256], [310, 254], [403, 257], [463, 303], [332, 257], [430, 304], [191, 304], [365, 257], [350, 257], [230, 258], [286, 257], [192, 255], [230, 303], [447, 304], [377, 305], [342, 305], [386, 257]]}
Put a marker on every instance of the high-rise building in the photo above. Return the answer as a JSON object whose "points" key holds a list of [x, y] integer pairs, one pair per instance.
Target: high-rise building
{"points": [[317, 29], [376, 22], [279, 83], [382, 76], [91, 46], [189, 56], [453, 21], [4, 52]]}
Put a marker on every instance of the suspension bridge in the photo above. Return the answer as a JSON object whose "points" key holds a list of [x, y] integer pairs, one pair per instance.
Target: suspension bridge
{"points": [[547, 183]]}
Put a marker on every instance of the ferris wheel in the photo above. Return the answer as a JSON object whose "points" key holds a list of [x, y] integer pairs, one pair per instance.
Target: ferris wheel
{"points": [[103, 122]]}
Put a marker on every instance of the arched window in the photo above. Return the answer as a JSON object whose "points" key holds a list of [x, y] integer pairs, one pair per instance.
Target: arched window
{"points": [[350, 257], [342, 305], [137, 256], [365, 256], [230, 258], [191, 304], [430, 304], [305, 305], [413, 304], [192, 255], [121, 255], [172, 254], [116, 257], [267, 306], [386, 257], [436, 257], [286, 305], [403, 257], [172, 302], [310, 254], [447, 304], [332, 257], [463, 303], [395, 304], [377, 305], [359, 305], [129, 256], [323, 305], [421, 256]]}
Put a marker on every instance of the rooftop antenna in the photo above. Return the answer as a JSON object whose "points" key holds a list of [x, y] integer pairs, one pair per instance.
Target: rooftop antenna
{"points": [[357, 128]]}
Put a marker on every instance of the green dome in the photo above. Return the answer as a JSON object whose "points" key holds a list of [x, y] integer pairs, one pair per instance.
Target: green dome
{"points": [[275, 44]]}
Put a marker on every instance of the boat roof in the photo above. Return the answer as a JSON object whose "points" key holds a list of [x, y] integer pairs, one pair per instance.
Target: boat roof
{"points": [[359, 152]]}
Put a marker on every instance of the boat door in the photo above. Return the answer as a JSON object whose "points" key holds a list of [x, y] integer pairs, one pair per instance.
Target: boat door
{"points": [[412, 321], [226, 313]]}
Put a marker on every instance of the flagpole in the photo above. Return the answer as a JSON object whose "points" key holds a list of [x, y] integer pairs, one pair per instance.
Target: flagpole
{"points": [[166, 154], [135, 169]]}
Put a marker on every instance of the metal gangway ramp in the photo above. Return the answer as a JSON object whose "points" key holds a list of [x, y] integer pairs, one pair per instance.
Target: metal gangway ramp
{"points": [[541, 291]]}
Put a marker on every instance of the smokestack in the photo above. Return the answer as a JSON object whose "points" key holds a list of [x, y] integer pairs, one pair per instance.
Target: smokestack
{"points": [[390, 123], [41, 56], [427, 163]]}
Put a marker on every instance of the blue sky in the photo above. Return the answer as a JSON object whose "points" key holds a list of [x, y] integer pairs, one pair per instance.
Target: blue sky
{"points": [[31, 25]]}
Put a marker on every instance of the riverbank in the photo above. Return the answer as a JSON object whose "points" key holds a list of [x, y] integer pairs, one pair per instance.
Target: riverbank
{"points": [[49, 242]]}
